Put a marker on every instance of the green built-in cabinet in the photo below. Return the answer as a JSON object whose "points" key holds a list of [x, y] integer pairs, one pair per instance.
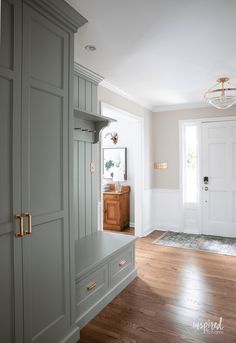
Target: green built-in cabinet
{"points": [[36, 151], [87, 128], [104, 262], [85, 89]]}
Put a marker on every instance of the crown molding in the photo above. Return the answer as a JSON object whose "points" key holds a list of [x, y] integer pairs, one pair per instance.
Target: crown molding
{"points": [[60, 10], [107, 84], [177, 107], [87, 73]]}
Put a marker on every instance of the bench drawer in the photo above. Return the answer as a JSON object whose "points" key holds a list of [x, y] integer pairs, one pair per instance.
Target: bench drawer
{"points": [[90, 289], [121, 265]]}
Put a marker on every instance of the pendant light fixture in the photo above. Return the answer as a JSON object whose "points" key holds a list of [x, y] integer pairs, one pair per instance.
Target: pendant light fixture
{"points": [[222, 95]]}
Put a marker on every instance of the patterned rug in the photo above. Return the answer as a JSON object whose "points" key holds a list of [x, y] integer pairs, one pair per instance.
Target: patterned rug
{"points": [[213, 244]]}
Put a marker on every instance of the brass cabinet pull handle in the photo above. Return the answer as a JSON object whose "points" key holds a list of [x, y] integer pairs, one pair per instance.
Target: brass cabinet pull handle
{"points": [[20, 233], [29, 216], [122, 263], [91, 286]]}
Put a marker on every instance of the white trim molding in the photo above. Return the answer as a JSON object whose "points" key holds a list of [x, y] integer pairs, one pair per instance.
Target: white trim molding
{"points": [[141, 196], [109, 85], [60, 10], [177, 107]]}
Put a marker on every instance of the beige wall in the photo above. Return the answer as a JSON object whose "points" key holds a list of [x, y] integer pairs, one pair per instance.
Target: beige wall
{"points": [[165, 132], [161, 136], [111, 98]]}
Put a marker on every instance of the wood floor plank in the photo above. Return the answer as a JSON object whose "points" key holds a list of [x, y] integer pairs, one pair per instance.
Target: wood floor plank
{"points": [[174, 288]]}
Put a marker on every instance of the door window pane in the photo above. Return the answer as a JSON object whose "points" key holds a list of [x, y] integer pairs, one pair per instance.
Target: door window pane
{"points": [[190, 164]]}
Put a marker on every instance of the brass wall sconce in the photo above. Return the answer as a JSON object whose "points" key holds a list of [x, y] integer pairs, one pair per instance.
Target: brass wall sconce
{"points": [[160, 165], [114, 136]]}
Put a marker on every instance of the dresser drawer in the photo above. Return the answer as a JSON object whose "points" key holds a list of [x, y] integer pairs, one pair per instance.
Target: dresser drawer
{"points": [[112, 197], [90, 289], [121, 265]]}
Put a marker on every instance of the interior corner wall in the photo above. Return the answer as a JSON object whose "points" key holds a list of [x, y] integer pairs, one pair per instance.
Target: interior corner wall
{"points": [[165, 133]]}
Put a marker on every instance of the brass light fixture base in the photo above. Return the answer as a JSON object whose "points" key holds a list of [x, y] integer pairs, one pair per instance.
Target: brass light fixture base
{"points": [[223, 79], [222, 95]]}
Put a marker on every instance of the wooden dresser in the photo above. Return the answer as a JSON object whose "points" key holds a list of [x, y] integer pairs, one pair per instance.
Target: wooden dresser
{"points": [[116, 208]]}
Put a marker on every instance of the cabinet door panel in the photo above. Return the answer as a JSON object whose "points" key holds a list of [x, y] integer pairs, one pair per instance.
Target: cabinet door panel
{"points": [[7, 28], [7, 289], [46, 156], [11, 308], [45, 179], [5, 151], [51, 49], [112, 212], [47, 268]]}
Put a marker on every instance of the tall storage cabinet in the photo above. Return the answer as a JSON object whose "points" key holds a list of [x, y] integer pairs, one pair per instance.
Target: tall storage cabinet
{"points": [[11, 299], [36, 133]]}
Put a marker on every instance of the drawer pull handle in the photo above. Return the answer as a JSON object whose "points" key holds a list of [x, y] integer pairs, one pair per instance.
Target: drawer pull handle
{"points": [[122, 263], [91, 286], [20, 233], [29, 216]]}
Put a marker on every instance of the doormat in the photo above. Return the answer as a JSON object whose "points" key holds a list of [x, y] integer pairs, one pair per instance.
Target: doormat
{"points": [[213, 244]]}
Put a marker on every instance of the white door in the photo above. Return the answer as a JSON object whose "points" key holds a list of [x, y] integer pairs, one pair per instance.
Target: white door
{"points": [[219, 172]]}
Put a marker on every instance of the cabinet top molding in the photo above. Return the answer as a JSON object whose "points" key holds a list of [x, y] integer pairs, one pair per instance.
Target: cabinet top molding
{"points": [[60, 10], [87, 73]]}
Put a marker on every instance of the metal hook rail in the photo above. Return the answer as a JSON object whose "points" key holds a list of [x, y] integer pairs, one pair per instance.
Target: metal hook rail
{"points": [[85, 130]]}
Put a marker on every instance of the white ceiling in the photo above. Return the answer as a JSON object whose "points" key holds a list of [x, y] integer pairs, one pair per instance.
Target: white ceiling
{"points": [[163, 53]]}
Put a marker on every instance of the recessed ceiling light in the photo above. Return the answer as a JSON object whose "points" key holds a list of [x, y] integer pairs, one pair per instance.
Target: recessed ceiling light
{"points": [[90, 48]]}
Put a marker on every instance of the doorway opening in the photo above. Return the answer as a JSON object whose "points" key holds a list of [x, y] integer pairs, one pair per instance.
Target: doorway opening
{"points": [[121, 167]]}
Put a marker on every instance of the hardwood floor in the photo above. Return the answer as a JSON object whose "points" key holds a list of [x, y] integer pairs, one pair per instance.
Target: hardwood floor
{"points": [[174, 288], [128, 231]]}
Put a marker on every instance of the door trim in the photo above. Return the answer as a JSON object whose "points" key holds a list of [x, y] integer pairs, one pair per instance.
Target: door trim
{"points": [[139, 171]]}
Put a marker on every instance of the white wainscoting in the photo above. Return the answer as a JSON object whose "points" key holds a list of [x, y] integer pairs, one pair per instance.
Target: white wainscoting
{"points": [[145, 212], [166, 211], [162, 210]]}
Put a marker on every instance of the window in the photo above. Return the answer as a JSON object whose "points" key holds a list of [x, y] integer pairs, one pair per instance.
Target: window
{"points": [[190, 164]]}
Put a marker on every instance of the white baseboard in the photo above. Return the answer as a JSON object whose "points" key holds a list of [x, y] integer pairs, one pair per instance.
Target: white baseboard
{"points": [[147, 232], [131, 224], [166, 227]]}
